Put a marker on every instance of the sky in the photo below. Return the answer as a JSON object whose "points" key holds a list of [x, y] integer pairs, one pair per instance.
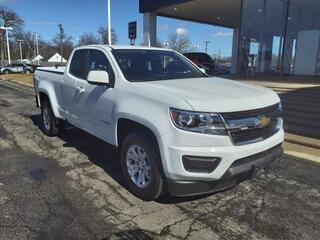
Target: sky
{"points": [[79, 16]]}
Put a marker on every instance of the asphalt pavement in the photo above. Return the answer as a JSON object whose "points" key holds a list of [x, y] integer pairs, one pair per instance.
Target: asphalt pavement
{"points": [[71, 187]]}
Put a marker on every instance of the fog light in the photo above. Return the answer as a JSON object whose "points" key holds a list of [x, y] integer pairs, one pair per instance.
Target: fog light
{"points": [[200, 164]]}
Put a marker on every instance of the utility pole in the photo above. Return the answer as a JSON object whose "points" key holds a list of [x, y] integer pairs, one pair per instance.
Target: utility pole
{"points": [[20, 42], [109, 23], [7, 35], [28, 52], [219, 56], [61, 40], [37, 46], [206, 43]]}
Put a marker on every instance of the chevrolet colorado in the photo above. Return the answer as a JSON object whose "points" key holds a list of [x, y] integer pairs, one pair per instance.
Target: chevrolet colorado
{"points": [[177, 129]]}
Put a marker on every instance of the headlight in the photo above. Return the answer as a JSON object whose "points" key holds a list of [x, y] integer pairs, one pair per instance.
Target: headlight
{"points": [[208, 123]]}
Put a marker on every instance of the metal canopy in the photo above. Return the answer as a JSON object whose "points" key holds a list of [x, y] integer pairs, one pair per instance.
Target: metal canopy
{"points": [[216, 12]]}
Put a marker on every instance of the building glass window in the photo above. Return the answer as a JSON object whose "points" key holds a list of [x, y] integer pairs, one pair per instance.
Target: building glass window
{"points": [[262, 35], [302, 45]]}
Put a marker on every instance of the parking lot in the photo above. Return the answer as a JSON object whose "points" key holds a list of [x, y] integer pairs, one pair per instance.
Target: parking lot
{"points": [[71, 187]]}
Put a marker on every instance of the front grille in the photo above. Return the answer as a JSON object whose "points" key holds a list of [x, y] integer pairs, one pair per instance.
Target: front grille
{"points": [[248, 134], [268, 111], [253, 135]]}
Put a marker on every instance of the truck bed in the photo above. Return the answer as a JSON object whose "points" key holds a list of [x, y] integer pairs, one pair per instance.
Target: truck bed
{"points": [[57, 70]]}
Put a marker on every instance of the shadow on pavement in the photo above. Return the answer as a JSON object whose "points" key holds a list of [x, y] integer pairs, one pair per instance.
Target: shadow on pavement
{"points": [[98, 152], [135, 234], [103, 155], [301, 111]]}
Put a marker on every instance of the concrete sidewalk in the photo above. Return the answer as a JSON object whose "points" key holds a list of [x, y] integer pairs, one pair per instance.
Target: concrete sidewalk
{"points": [[283, 85]]}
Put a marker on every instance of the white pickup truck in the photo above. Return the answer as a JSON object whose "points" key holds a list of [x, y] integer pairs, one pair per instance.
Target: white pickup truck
{"points": [[178, 130]]}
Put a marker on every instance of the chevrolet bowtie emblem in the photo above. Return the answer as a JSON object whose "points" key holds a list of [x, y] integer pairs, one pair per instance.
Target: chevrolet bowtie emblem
{"points": [[264, 121]]}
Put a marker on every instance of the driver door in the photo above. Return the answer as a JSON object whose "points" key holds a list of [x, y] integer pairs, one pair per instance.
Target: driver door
{"points": [[95, 103]]}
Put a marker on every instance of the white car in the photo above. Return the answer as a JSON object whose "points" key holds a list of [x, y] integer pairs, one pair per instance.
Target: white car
{"points": [[178, 130]]}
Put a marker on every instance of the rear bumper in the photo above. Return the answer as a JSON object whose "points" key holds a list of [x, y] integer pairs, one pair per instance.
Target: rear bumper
{"points": [[240, 170]]}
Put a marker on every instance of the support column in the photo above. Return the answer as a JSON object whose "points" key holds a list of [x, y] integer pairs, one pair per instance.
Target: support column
{"points": [[235, 51], [150, 29], [287, 55]]}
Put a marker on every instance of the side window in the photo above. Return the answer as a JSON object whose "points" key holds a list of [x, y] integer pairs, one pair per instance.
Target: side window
{"points": [[97, 60], [76, 63]]}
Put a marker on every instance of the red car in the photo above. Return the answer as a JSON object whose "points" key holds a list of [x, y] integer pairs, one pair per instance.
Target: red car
{"points": [[202, 60]]}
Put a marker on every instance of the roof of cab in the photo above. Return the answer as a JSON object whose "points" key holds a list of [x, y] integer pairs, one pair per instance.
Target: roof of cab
{"points": [[108, 47]]}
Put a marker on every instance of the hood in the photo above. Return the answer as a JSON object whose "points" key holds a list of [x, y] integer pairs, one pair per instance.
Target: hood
{"points": [[216, 94]]}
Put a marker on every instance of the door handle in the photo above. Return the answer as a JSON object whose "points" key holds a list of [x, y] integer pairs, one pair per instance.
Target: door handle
{"points": [[81, 89]]}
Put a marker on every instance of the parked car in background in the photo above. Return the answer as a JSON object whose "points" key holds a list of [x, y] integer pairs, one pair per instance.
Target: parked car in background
{"points": [[16, 68], [202, 60], [30, 68]]}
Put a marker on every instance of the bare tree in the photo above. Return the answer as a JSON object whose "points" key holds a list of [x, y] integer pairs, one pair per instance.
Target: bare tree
{"points": [[8, 18], [47, 48], [179, 43], [103, 32], [66, 43], [87, 39], [27, 45]]}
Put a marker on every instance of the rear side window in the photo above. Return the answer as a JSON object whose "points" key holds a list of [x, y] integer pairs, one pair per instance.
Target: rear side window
{"points": [[76, 65]]}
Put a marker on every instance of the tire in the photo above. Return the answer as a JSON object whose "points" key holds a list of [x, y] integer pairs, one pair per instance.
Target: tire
{"points": [[51, 125], [150, 159], [6, 72], [27, 72]]}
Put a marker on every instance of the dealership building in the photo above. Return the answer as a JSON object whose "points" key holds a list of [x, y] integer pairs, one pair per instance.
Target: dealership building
{"points": [[269, 36]]}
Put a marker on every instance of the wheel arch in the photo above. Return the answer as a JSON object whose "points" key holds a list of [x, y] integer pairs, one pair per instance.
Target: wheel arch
{"points": [[44, 94], [125, 126]]}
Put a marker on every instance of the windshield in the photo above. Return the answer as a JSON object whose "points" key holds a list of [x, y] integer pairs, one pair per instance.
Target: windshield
{"points": [[153, 65]]}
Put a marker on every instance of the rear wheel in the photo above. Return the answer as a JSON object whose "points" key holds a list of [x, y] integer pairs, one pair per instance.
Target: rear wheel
{"points": [[51, 125], [27, 71], [6, 72], [141, 166]]}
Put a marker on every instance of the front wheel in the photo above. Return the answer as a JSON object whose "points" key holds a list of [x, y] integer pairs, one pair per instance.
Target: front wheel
{"points": [[141, 166], [51, 125]]}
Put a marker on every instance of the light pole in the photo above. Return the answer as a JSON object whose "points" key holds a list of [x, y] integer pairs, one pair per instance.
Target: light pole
{"points": [[206, 43], [165, 45], [109, 23], [8, 47], [20, 41]]}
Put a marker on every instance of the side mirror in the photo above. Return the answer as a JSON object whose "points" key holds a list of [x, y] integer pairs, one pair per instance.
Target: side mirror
{"points": [[203, 70], [98, 77]]}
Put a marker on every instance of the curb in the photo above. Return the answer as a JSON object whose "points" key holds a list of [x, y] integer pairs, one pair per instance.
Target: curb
{"points": [[303, 141], [26, 84]]}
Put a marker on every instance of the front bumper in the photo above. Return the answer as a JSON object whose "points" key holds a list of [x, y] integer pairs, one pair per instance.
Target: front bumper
{"points": [[240, 170]]}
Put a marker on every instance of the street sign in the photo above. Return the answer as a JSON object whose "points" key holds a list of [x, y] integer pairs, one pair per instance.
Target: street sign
{"points": [[132, 30]]}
